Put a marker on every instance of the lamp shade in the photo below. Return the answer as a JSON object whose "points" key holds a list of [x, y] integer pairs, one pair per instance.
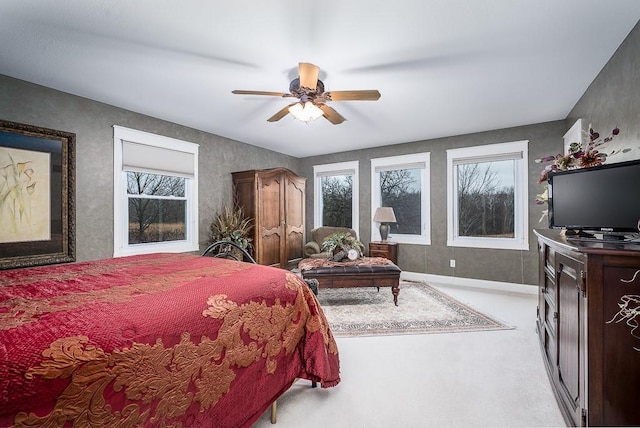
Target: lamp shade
{"points": [[384, 215], [305, 112]]}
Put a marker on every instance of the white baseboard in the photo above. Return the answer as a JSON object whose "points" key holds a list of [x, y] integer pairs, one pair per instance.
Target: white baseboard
{"points": [[470, 282]]}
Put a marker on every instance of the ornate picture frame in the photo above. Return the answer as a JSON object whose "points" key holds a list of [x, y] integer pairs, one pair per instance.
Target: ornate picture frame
{"points": [[37, 195]]}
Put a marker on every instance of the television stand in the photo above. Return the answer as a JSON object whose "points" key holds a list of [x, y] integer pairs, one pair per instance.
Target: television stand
{"points": [[585, 322], [584, 235]]}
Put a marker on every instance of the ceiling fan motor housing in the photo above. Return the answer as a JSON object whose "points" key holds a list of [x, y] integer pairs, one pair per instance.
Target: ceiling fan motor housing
{"points": [[298, 91]]}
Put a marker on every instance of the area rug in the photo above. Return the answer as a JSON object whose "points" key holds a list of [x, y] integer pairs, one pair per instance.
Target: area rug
{"points": [[421, 309]]}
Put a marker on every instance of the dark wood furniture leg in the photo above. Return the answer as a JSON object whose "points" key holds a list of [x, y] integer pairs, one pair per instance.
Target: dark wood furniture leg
{"points": [[348, 280]]}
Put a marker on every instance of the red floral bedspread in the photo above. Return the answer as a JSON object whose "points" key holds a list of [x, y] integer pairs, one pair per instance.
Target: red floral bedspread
{"points": [[156, 340]]}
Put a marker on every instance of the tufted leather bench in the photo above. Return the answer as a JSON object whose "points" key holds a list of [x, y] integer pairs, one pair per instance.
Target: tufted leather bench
{"points": [[333, 275]]}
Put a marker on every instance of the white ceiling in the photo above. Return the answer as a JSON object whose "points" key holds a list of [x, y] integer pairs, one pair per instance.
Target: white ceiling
{"points": [[443, 67]]}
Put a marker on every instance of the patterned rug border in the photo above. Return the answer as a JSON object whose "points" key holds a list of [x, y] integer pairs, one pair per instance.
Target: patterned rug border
{"points": [[474, 320]]}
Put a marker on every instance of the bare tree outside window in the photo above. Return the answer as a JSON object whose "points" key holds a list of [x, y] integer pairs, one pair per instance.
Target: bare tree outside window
{"points": [[486, 198], [401, 190], [337, 200], [157, 208]]}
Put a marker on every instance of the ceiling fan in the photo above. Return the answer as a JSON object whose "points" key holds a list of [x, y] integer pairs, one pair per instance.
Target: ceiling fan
{"points": [[312, 97]]}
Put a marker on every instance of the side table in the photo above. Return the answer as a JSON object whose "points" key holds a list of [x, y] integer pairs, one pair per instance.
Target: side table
{"points": [[388, 250]]}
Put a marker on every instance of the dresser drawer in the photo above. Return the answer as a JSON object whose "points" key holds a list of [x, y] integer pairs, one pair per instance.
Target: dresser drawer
{"points": [[378, 253], [388, 250]]}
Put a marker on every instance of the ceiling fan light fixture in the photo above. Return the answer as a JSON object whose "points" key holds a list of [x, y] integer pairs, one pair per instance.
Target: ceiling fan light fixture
{"points": [[305, 112], [312, 98]]}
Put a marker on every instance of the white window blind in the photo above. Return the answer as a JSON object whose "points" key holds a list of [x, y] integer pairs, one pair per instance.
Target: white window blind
{"points": [[488, 158], [138, 157], [334, 173], [396, 166]]}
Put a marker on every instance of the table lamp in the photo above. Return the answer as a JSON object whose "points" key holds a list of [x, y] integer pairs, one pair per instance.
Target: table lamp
{"points": [[384, 215]]}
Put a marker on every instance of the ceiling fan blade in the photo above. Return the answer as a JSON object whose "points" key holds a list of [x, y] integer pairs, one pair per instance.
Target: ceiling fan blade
{"points": [[331, 115], [371, 95], [275, 94], [308, 74], [280, 114]]}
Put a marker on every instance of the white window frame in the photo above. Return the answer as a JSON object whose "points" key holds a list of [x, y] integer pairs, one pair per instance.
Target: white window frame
{"points": [[403, 162], [120, 197], [340, 168], [515, 150]]}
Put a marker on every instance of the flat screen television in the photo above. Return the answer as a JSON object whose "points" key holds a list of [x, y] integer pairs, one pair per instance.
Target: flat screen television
{"points": [[603, 199]]}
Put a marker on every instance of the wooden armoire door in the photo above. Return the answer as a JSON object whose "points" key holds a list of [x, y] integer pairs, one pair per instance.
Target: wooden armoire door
{"points": [[275, 200], [269, 228], [293, 218]]}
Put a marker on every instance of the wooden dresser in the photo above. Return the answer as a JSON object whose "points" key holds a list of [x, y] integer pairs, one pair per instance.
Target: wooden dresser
{"points": [[274, 199], [589, 303]]}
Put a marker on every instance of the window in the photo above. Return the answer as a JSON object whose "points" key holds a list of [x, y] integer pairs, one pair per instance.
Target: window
{"points": [[402, 183], [336, 195], [155, 193], [487, 196]]}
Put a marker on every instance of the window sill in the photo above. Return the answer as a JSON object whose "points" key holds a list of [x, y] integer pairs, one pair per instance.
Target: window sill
{"points": [[417, 240], [497, 245], [156, 248]]}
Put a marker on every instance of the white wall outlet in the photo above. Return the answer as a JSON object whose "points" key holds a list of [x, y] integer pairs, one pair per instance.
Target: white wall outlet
{"points": [[452, 263]]}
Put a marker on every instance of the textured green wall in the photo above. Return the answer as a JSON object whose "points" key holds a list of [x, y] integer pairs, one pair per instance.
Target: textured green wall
{"points": [[92, 123], [518, 267], [613, 99]]}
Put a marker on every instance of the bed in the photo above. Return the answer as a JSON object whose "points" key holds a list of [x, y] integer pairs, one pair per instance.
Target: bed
{"points": [[156, 340]]}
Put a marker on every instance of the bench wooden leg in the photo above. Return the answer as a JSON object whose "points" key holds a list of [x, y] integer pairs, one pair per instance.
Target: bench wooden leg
{"points": [[395, 290]]}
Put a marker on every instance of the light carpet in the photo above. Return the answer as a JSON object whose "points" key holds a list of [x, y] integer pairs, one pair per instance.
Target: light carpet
{"points": [[421, 309]]}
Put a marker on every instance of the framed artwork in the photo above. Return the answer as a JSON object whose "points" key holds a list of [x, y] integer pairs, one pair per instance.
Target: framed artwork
{"points": [[37, 195]]}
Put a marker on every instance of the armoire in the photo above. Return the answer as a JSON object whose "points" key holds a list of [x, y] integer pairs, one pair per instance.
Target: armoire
{"points": [[274, 199]]}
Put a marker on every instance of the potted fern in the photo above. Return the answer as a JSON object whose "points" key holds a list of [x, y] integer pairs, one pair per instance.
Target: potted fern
{"points": [[340, 243]]}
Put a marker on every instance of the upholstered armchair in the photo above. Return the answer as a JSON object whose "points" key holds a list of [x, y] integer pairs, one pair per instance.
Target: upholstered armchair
{"points": [[313, 247]]}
